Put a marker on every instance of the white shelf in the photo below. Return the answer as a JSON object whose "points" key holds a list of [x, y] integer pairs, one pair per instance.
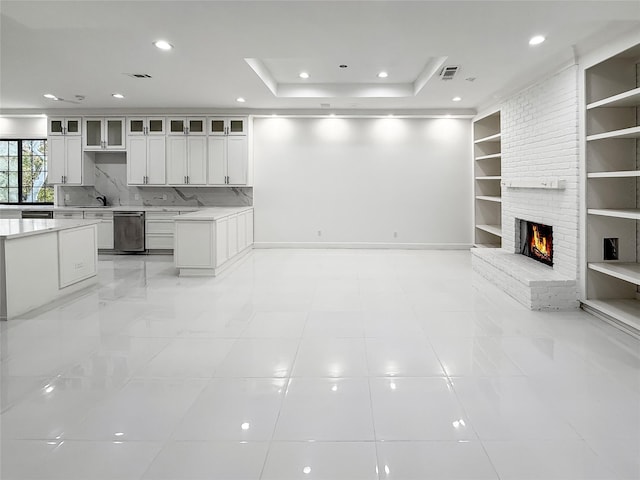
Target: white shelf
{"points": [[487, 157], [626, 311], [624, 99], [489, 198], [629, 272], [492, 229], [619, 174], [632, 132], [630, 213], [490, 177], [491, 138]]}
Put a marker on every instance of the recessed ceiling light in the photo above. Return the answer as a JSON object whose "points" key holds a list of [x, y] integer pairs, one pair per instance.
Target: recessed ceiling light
{"points": [[50, 96], [383, 75], [240, 100], [163, 45], [456, 99], [537, 40], [303, 75], [117, 95]]}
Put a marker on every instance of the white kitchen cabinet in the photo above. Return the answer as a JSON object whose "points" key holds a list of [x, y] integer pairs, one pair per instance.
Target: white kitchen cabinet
{"points": [[146, 125], [57, 126], [10, 214], [210, 240], [77, 254], [187, 125], [68, 214], [228, 125], [67, 163], [221, 241], [105, 133], [146, 160], [186, 160], [228, 160], [245, 229], [228, 150], [159, 230], [105, 227], [233, 235]]}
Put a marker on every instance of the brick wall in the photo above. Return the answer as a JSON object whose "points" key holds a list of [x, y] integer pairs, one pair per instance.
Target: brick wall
{"points": [[540, 139]]}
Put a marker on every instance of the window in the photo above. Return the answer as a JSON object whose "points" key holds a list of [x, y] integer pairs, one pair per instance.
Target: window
{"points": [[23, 172]]}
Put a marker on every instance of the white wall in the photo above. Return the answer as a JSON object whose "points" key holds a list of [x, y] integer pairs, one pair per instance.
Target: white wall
{"points": [[359, 180], [23, 127]]}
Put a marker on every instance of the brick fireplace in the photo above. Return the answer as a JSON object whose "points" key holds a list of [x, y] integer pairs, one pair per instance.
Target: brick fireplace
{"points": [[540, 184]]}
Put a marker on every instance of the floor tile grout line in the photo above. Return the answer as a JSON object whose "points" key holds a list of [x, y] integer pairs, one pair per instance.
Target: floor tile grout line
{"points": [[282, 400]]}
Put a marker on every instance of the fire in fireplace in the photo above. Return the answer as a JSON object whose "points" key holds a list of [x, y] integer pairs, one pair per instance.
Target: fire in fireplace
{"points": [[536, 241]]}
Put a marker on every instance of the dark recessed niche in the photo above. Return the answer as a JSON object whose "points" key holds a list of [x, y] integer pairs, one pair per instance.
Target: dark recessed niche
{"points": [[611, 251]]}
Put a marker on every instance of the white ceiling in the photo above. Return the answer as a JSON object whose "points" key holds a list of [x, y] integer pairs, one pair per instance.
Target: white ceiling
{"points": [[86, 48]]}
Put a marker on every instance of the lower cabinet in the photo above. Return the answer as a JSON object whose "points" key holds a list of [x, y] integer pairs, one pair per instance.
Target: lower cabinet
{"points": [[159, 229], [11, 214], [77, 255], [105, 228], [210, 241]]}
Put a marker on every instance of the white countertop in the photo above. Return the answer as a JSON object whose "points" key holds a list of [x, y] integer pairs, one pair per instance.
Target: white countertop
{"points": [[110, 208], [10, 229], [210, 214]]}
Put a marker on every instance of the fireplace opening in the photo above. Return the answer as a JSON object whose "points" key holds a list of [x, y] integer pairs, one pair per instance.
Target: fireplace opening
{"points": [[536, 241]]}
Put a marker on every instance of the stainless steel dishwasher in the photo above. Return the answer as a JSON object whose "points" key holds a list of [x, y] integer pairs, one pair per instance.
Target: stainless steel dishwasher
{"points": [[128, 231]]}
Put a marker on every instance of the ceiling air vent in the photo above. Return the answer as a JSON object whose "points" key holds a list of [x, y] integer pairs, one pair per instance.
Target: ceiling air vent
{"points": [[447, 73], [139, 75]]}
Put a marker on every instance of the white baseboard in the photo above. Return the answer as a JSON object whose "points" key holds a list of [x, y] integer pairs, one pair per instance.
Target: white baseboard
{"points": [[365, 245]]}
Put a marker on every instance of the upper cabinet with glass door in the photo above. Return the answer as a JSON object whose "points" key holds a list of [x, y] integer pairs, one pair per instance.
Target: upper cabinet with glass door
{"points": [[64, 126], [106, 133], [227, 125], [146, 126], [186, 126]]}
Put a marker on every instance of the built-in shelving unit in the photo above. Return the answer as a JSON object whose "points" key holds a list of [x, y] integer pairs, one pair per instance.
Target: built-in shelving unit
{"points": [[612, 193], [487, 174]]}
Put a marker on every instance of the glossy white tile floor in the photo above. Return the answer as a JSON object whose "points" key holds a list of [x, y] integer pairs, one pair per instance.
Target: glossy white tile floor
{"points": [[315, 365]]}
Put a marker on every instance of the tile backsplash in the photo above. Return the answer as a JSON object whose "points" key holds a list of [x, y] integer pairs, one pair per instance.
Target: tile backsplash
{"points": [[111, 181]]}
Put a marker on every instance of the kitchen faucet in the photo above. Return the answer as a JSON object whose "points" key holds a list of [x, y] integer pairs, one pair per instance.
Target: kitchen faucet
{"points": [[103, 200]]}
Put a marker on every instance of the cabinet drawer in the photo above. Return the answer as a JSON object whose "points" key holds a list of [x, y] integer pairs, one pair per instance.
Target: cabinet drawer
{"points": [[69, 215], [160, 215], [10, 214], [98, 215], [160, 226], [159, 241]]}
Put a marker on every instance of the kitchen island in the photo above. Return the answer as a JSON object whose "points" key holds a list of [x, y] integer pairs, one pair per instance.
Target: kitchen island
{"points": [[42, 260], [211, 240]]}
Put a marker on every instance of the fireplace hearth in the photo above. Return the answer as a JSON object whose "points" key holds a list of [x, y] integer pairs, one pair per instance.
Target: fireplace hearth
{"points": [[536, 241]]}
